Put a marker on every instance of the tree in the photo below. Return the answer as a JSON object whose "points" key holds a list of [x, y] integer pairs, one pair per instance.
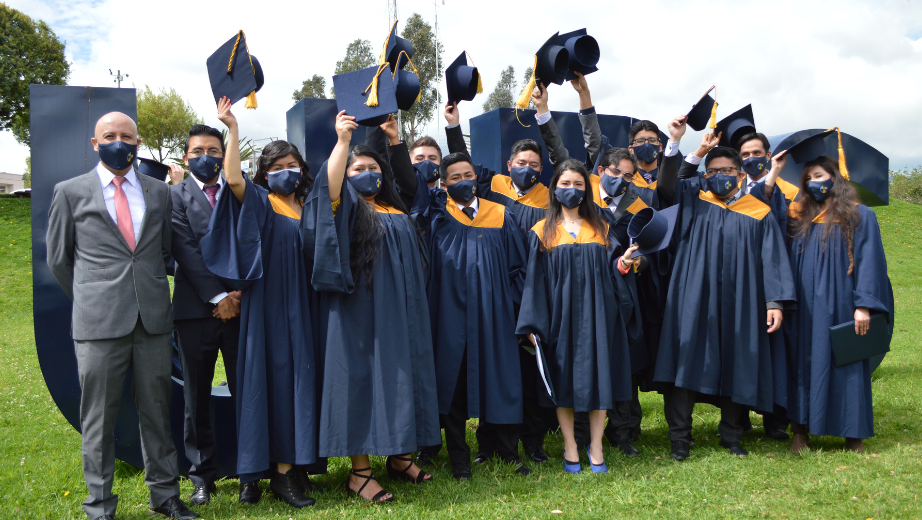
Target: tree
{"points": [[312, 88], [164, 120], [30, 53], [504, 94], [427, 57], [359, 55], [27, 176]]}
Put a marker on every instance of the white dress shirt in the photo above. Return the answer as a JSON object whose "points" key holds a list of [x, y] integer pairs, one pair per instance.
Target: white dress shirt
{"points": [[672, 148], [475, 205], [614, 201], [133, 193], [543, 118]]}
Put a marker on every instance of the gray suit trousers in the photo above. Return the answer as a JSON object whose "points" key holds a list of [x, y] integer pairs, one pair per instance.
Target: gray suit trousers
{"points": [[102, 365]]}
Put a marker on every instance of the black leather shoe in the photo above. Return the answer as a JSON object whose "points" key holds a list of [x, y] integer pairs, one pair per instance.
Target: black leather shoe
{"points": [[679, 450], [285, 487], [424, 458], [482, 457], [538, 455], [735, 448], [461, 471], [201, 496], [105, 517], [778, 435], [174, 507], [305, 481], [250, 493], [628, 448], [520, 468]]}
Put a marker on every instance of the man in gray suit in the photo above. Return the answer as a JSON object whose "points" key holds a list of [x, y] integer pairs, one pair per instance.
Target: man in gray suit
{"points": [[109, 238]]}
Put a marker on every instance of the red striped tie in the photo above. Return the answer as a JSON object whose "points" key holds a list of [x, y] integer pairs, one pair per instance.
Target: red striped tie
{"points": [[123, 212]]}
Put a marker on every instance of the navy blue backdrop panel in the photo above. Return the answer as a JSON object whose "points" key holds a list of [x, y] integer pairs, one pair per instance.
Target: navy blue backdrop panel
{"points": [[493, 134], [312, 128], [868, 169], [63, 119]]}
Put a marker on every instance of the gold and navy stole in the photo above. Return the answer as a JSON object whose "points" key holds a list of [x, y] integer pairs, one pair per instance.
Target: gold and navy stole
{"points": [[794, 212], [586, 235], [282, 208], [641, 182], [489, 214], [381, 207], [747, 205], [595, 180], [789, 190], [537, 196]]}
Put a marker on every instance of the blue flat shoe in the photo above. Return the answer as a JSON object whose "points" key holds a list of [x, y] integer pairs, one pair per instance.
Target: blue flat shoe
{"points": [[596, 468], [570, 467]]}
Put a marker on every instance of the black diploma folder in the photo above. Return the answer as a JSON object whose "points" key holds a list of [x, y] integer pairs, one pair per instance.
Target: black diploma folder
{"points": [[848, 347]]}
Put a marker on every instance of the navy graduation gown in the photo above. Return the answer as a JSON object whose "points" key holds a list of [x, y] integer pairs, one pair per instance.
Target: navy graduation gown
{"points": [[477, 269], [830, 400], [571, 302], [528, 209], [257, 249], [379, 372], [730, 261]]}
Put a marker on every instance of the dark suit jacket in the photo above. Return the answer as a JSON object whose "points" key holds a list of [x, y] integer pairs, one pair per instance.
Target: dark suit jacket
{"points": [[193, 284]]}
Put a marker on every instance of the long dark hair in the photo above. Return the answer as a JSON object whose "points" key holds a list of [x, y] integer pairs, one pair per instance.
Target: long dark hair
{"points": [[367, 230], [275, 151], [554, 213], [841, 214]]}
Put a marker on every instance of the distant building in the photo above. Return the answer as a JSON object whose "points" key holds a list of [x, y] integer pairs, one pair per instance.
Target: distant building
{"points": [[10, 182]]}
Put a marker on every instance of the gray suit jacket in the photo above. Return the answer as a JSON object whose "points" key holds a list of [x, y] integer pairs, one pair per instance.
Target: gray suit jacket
{"points": [[592, 137], [109, 284]]}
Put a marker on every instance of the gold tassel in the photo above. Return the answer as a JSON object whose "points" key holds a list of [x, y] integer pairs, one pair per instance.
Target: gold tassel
{"points": [[712, 123], [230, 64], [525, 97], [843, 168], [251, 100], [479, 80], [383, 57], [373, 97]]}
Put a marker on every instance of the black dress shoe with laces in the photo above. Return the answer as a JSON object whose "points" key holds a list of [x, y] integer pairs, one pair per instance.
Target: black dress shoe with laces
{"points": [[105, 517], [250, 493], [735, 448], [201, 496], [482, 457], [778, 435], [285, 487], [424, 458], [520, 467], [461, 471], [628, 448], [538, 455], [679, 450], [305, 480], [174, 507]]}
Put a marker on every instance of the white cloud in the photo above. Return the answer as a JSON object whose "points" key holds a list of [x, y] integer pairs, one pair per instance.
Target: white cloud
{"points": [[802, 64]]}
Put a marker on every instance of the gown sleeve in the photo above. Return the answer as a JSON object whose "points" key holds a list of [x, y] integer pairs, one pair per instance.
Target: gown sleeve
{"points": [[534, 313], [515, 249], [232, 247], [872, 285], [778, 203], [776, 267], [325, 235]]}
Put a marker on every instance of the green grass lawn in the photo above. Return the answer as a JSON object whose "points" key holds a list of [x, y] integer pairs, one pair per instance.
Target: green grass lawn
{"points": [[40, 465]]}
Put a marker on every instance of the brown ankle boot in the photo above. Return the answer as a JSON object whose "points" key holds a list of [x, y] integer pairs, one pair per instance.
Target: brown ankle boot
{"points": [[799, 442], [856, 445]]}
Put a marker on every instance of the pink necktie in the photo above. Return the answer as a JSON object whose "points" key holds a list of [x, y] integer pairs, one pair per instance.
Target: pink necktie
{"points": [[212, 192], [123, 213]]}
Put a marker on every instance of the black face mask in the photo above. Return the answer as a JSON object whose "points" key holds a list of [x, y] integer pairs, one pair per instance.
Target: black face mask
{"points": [[117, 154]]}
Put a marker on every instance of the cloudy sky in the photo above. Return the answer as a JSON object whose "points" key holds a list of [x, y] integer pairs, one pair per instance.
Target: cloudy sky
{"points": [[802, 63]]}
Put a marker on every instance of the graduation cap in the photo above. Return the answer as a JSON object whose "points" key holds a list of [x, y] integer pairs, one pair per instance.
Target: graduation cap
{"points": [[814, 147], [462, 80], [406, 86], [397, 51], [551, 64], [152, 168], [735, 126], [364, 95], [652, 229], [583, 50], [234, 72], [704, 112]]}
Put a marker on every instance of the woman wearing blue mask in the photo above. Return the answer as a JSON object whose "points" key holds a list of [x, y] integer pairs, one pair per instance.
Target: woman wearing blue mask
{"points": [[840, 272], [571, 303], [254, 243], [369, 270]]}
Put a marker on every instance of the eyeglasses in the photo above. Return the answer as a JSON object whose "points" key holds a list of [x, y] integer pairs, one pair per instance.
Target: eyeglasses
{"points": [[198, 153], [615, 171], [640, 142], [725, 171]]}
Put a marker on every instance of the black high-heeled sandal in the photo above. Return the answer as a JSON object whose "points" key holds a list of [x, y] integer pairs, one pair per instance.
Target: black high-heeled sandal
{"points": [[368, 478], [404, 474]]}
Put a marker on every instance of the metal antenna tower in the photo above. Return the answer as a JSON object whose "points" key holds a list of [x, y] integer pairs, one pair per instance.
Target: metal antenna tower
{"points": [[118, 77]]}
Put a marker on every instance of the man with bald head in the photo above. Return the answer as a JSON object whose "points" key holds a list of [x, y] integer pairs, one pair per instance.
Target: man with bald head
{"points": [[109, 238]]}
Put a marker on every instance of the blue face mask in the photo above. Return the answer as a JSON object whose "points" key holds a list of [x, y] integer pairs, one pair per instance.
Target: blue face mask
{"points": [[367, 183], [646, 153], [118, 155], [205, 167], [462, 191], [721, 185], [428, 169], [570, 197], [755, 167], [284, 182], [820, 189], [524, 176], [614, 186]]}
